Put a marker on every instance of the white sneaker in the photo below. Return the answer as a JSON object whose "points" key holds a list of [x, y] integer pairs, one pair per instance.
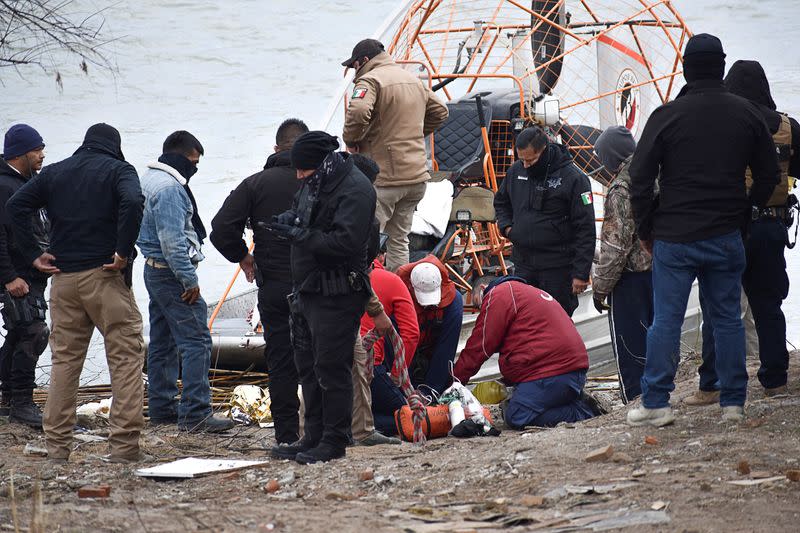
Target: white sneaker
{"points": [[643, 416], [733, 413]]}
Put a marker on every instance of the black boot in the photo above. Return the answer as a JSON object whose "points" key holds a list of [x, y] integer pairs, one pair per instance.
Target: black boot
{"points": [[5, 403], [320, 454], [290, 451], [25, 411]]}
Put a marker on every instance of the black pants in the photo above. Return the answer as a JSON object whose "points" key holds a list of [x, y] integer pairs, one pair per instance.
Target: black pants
{"points": [[21, 350], [557, 282], [283, 380], [324, 334], [630, 315], [766, 284]]}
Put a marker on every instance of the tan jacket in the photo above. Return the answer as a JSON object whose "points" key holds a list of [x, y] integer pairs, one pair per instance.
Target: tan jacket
{"points": [[390, 113]]}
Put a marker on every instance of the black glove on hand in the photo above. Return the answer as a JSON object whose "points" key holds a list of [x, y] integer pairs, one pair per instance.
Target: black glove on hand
{"points": [[287, 217], [286, 232], [600, 305]]}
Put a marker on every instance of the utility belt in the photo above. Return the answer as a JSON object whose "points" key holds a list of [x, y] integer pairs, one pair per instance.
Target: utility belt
{"points": [[20, 312], [335, 282], [781, 213]]}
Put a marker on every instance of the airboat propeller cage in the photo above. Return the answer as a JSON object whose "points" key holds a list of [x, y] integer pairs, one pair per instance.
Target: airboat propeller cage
{"points": [[573, 66]]}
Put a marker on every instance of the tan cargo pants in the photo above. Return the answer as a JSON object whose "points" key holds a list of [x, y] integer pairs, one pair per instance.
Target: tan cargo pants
{"points": [[79, 302], [395, 212], [363, 424]]}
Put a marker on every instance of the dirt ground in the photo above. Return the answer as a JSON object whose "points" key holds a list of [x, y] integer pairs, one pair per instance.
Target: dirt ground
{"points": [[521, 481]]}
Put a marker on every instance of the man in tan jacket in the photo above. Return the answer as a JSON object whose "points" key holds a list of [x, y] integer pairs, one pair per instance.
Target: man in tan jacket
{"points": [[390, 113]]}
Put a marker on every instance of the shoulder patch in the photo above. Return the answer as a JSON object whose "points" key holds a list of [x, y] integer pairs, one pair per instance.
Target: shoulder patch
{"points": [[586, 198], [359, 92]]}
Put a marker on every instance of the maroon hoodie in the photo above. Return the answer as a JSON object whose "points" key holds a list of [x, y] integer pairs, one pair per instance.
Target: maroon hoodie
{"points": [[534, 336]]}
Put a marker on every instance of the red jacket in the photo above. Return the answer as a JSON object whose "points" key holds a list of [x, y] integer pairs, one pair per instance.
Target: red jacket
{"points": [[397, 303], [534, 336]]}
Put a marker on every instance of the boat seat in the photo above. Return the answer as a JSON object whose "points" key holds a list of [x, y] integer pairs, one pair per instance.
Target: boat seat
{"points": [[478, 200], [459, 143]]}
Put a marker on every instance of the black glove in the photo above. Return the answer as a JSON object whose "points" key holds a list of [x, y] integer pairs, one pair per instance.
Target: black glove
{"points": [[287, 217], [286, 232], [600, 304]]}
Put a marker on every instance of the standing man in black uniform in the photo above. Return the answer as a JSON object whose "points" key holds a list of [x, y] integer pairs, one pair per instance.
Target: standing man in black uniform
{"points": [[545, 207], [765, 281], [257, 199], [23, 286], [328, 227]]}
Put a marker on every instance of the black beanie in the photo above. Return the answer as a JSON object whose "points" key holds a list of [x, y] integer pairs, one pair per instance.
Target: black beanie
{"points": [[310, 149], [703, 58]]}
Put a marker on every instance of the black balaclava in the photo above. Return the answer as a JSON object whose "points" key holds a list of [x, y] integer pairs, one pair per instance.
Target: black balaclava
{"points": [[187, 169], [311, 148], [104, 139], [703, 58]]}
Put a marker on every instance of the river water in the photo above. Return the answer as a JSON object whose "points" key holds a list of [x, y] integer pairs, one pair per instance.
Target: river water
{"points": [[231, 70]]}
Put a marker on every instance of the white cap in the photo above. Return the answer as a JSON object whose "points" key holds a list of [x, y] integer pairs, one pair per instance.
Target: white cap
{"points": [[426, 278]]}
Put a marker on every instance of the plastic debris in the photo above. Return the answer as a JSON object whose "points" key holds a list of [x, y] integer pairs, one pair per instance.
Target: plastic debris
{"points": [[490, 392], [100, 409], [250, 404], [35, 449], [191, 467]]}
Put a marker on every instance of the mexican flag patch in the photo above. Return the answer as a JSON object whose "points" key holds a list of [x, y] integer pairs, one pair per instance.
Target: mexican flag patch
{"points": [[359, 92], [586, 198]]}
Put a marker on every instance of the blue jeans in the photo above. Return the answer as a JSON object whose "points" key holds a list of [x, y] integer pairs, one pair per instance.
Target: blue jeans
{"points": [[431, 363], [177, 330], [386, 399], [549, 401], [718, 265]]}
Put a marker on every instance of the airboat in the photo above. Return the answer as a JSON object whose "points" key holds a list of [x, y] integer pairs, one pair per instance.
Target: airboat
{"points": [[572, 67]]}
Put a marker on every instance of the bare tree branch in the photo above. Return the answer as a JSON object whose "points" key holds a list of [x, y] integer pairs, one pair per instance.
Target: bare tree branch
{"points": [[46, 34]]}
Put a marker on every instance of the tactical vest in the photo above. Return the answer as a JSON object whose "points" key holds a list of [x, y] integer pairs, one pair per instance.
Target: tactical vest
{"points": [[783, 144]]}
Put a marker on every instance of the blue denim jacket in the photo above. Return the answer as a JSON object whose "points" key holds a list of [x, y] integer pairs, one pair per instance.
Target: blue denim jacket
{"points": [[167, 234]]}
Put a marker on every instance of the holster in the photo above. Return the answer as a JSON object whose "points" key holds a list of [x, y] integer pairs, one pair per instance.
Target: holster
{"points": [[127, 272], [298, 327], [20, 312]]}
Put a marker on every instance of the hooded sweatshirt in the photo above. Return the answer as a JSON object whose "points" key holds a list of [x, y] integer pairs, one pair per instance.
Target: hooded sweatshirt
{"points": [[701, 143], [748, 80], [94, 202]]}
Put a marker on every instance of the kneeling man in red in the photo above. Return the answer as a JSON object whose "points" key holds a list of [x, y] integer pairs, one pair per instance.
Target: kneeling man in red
{"points": [[541, 354]]}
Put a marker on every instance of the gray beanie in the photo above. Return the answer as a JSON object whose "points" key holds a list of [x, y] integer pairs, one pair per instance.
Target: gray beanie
{"points": [[614, 146]]}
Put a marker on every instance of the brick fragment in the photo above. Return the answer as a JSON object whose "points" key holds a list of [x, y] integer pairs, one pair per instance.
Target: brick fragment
{"points": [[94, 491], [600, 454]]}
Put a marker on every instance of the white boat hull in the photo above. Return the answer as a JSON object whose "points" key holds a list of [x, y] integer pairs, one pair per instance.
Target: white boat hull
{"points": [[237, 346]]}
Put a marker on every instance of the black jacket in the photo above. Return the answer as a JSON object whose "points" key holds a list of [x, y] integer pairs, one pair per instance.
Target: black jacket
{"points": [[257, 199], [13, 263], [94, 202], [339, 227], [748, 80], [550, 211], [702, 142]]}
